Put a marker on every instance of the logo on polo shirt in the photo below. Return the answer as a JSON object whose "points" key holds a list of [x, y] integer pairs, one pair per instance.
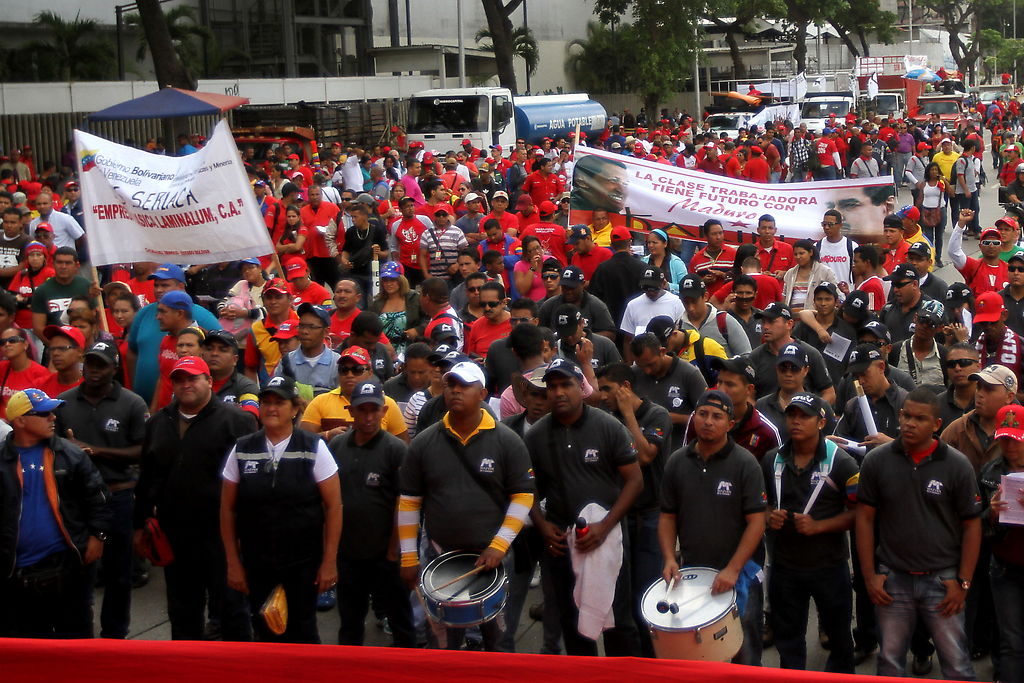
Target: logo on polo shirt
{"points": [[487, 466], [724, 488], [372, 479], [815, 477], [251, 467], [229, 398], [673, 391], [934, 487], [378, 364], [590, 455], [112, 425]]}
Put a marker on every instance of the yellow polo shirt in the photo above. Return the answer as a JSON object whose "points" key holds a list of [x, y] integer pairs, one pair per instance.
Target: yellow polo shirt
{"points": [[330, 410]]}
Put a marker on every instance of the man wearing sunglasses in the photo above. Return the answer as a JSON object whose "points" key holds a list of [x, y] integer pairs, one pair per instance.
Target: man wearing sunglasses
{"points": [[898, 315], [1013, 293], [961, 364], [495, 324], [987, 274], [53, 526], [922, 356]]}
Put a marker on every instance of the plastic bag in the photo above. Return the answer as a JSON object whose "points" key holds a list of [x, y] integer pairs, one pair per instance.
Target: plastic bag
{"points": [[275, 611]]}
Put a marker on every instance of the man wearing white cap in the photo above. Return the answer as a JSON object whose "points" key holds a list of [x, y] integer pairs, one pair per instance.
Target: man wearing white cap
{"points": [[471, 478]]}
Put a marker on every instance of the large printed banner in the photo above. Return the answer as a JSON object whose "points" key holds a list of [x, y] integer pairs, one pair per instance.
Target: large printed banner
{"points": [[645, 195], [195, 209]]}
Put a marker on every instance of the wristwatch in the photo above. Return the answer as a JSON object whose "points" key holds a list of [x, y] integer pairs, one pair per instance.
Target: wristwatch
{"points": [[101, 536], [964, 583]]}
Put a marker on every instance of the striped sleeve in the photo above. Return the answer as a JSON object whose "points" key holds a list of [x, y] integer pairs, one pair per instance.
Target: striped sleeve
{"points": [[515, 517], [408, 528]]}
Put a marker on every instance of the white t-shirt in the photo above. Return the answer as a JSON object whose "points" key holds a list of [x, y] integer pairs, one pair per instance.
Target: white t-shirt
{"points": [[641, 309], [65, 228], [352, 174], [836, 255], [323, 467]]}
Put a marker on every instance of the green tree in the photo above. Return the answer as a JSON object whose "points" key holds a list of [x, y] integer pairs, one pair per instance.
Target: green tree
{"points": [[732, 18], [169, 68], [594, 63], [71, 50], [499, 25], [861, 19], [963, 22], [187, 36], [524, 46], [658, 46]]}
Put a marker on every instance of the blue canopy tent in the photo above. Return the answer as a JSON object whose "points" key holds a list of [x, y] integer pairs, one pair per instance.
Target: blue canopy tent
{"points": [[170, 103]]}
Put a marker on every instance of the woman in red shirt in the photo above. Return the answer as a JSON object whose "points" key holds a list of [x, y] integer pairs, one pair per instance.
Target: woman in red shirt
{"points": [[34, 272], [17, 370], [123, 310]]}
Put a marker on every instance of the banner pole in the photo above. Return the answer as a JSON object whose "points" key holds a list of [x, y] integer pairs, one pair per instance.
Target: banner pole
{"points": [[102, 312]]}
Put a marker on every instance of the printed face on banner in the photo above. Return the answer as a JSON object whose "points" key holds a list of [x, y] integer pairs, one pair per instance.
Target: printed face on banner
{"points": [[195, 209], [644, 195]]}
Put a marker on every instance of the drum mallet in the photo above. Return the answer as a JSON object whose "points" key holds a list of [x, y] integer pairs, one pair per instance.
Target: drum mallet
{"points": [[582, 528], [663, 605], [471, 572]]}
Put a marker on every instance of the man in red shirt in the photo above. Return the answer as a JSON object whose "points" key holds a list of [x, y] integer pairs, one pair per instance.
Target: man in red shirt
{"points": [[316, 216], [495, 324], [987, 274], [1008, 173], [894, 245], [734, 159], [301, 287], [772, 156], [757, 169], [711, 163], [542, 185], [404, 236], [295, 165], [830, 165], [716, 259], [586, 255], [775, 255], [498, 241], [437, 198], [551, 235], [499, 210], [998, 343], [527, 215], [66, 344]]}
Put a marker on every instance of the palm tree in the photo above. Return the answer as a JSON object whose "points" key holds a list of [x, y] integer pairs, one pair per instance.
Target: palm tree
{"points": [[524, 46], [188, 36], [72, 48], [592, 61]]}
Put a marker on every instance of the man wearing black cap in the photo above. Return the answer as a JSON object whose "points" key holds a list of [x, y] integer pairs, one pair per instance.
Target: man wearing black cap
{"points": [[1013, 293], [220, 351], [825, 330], [617, 280], [313, 363], [922, 356], [656, 300], [885, 399], [856, 310], [811, 487], [713, 503], [574, 291], [586, 465], [585, 253], [777, 328], [710, 321], [898, 315], [368, 460], [875, 334], [108, 422], [919, 255], [570, 325], [666, 379]]}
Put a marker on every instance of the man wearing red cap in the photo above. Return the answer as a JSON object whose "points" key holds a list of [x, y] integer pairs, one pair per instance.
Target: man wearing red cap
{"points": [[1009, 233], [527, 213], [987, 274], [711, 163], [998, 343], [757, 169], [301, 288], [551, 236], [179, 485], [542, 185], [262, 353], [66, 344]]}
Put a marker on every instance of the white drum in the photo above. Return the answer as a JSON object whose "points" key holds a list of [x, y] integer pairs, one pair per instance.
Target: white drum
{"points": [[689, 622]]}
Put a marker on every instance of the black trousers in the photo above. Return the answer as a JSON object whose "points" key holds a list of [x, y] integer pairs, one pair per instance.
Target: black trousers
{"points": [[199, 570], [299, 582], [379, 577], [324, 269], [57, 607]]}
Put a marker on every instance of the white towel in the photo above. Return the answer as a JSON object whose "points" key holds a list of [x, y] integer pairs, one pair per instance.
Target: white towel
{"points": [[596, 574]]}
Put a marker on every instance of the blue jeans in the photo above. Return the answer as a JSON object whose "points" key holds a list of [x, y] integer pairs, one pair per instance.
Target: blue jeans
{"points": [[647, 563], [790, 591], [1008, 593], [936, 234], [752, 621], [825, 173], [917, 597], [116, 568]]}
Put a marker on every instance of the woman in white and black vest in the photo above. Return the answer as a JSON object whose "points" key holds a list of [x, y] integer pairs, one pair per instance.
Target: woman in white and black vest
{"points": [[281, 515]]}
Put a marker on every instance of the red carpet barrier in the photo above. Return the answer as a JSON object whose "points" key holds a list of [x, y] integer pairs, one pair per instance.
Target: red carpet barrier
{"points": [[151, 661]]}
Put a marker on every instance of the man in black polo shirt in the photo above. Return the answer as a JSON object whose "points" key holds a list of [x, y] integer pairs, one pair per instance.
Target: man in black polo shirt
{"points": [[922, 497], [811, 490], [584, 456], [571, 282], [919, 255], [220, 351], [868, 366], [368, 461], [650, 428], [777, 328], [617, 280], [818, 326], [713, 501], [108, 422], [907, 297], [415, 374], [571, 326], [958, 399], [668, 381], [471, 477]]}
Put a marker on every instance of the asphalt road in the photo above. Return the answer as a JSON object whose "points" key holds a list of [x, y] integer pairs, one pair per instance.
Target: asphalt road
{"points": [[149, 607]]}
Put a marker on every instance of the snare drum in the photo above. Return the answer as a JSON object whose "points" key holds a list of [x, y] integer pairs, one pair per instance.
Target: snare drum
{"points": [[697, 625], [468, 602]]}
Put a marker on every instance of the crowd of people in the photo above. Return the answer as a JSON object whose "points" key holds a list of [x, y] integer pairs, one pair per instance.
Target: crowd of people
{"points": [[819, 420]]}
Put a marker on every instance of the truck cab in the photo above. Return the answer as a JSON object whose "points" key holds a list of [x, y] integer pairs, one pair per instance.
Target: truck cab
{"points": [[816, 109], [441, 119], [264, 138], [948, 107]]}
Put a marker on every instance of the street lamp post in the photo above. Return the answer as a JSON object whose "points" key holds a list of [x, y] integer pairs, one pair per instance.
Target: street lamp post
{"points": [[462, 44]]}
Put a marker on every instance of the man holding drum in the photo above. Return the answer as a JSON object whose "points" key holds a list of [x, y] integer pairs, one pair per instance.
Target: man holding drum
{"points": [[713, 501], [457, 471], [812, 485]]}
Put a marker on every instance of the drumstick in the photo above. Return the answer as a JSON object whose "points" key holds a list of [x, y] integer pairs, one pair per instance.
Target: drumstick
{"points": [[663, 605], [471, 572]]}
